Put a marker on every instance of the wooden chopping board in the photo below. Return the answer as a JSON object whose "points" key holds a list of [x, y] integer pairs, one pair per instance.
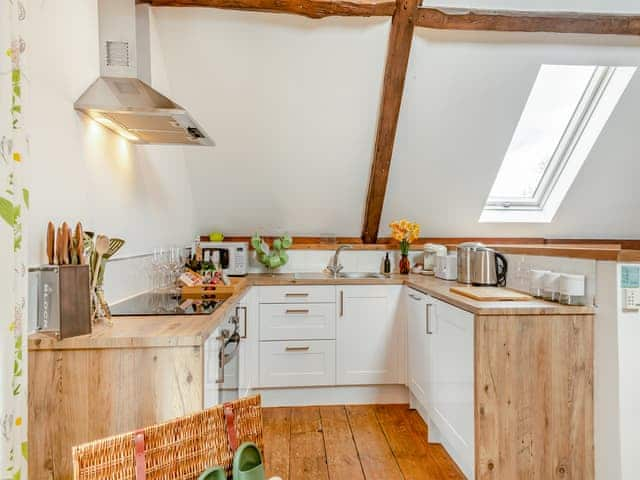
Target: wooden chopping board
{"points": [[491, 294]]}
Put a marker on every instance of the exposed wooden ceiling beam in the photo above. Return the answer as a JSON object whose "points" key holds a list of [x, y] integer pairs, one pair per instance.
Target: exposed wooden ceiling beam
{"points": [[518, 21], [400, 38], [308, 8]]}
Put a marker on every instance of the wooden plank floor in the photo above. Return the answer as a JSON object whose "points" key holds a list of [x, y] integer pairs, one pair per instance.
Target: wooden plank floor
{"points": [[354, 442]]}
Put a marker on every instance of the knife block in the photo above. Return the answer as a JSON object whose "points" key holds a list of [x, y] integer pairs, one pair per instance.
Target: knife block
{"points": [[60, 300]]}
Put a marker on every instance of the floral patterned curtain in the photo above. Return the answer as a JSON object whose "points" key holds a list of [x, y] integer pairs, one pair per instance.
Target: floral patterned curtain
{"points": [[14, 201]]}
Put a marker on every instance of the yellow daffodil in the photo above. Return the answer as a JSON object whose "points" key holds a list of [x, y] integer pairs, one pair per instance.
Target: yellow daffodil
{"points": [[405, 232]]}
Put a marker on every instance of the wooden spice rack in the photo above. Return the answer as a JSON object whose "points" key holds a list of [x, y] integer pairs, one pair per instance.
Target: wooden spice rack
{"points": [[217, 290]]}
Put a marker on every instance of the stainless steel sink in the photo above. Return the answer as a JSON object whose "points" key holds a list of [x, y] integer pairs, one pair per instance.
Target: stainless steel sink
{"points": [[322, 275], [360, 275]]}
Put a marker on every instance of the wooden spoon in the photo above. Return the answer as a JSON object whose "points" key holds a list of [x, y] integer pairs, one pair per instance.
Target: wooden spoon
{"points": [[115, 244], [102, 247]]}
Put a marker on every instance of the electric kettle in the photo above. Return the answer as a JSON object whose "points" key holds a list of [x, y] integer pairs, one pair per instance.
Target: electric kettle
{"points": [[481, 265]]}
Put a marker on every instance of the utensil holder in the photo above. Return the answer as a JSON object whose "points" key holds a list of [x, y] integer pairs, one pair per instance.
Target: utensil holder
{"points": [[60, 299]]}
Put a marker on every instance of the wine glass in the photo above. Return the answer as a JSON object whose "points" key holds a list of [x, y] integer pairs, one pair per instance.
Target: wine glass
{"points": [[158, 265]]}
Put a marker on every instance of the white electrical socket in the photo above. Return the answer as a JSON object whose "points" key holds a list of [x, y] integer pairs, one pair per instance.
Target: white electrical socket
{"points": [[631, 299]]}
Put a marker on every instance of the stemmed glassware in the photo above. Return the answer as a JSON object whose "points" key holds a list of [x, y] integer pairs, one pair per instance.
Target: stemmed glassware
{"points": [[158, 268], [175, 263], [166, 266]]}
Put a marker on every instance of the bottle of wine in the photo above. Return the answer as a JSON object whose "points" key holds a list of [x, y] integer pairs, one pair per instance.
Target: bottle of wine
{"points": [[387, 264]]}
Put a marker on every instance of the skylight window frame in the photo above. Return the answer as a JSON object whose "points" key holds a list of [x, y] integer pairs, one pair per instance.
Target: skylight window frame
{"points": [[591, 96]]}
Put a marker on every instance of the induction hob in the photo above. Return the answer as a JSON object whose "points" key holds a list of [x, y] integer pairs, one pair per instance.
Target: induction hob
{"points": [[163, 304]]}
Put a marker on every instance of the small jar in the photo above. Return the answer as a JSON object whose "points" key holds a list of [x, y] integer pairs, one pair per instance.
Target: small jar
{"points": [[572, 289], [536, 282], [550, 289]]}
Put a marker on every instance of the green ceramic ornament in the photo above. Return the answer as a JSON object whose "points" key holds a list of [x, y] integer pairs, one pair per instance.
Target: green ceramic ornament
{"points": [[275, 256]]}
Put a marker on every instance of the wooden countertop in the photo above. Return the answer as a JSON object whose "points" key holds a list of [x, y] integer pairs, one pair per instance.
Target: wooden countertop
{"points": [[190, 330]]}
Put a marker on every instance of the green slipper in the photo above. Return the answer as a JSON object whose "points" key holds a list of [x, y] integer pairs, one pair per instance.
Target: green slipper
{"points": [[213, 473], [247, 463]]}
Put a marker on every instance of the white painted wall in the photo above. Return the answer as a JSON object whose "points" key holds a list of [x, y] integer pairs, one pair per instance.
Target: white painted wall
{"points": [[629, 373], [606, 382], [79, 170]]}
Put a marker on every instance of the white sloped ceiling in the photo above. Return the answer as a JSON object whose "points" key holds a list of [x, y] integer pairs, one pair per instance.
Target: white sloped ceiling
{"points": [[464, 94], [605, 6], [292, 104]]}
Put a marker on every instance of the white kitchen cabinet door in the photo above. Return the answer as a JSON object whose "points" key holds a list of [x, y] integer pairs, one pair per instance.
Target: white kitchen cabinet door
{"points": [[229, 389], [450, 397], [211, 386], [247, 311], [417, 344], [369, 334]]}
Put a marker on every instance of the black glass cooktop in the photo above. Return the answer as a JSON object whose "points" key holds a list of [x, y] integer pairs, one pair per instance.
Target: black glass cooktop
{"points": [[163, 304]]}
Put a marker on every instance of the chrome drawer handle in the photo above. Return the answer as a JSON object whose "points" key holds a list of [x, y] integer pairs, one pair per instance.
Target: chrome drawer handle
{"points": [[296, 311], [296, 294], [297, 349], [415, 297]]}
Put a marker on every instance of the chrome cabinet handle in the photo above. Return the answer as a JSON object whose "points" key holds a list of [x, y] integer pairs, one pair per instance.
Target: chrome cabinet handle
{"points": [[428, 319], [297, 349], [296, 311], [342, 303], [415, 297], [296, 294], [244, 309]]}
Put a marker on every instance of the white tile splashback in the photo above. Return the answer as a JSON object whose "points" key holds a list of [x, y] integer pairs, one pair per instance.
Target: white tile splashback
{"points": [[128, 276], [520, 265], [351, 260]]}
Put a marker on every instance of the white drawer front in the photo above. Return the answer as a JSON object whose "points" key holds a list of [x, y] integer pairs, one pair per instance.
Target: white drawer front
{"points": [[311, 321], [298, 294], [300, 363]]}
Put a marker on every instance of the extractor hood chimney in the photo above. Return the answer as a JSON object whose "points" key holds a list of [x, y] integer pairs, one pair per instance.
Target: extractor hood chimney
{"points": [[121, 98]]}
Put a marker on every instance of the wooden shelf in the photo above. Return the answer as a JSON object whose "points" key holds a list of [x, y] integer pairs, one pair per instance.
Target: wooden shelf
{"points": [[597, 249]]}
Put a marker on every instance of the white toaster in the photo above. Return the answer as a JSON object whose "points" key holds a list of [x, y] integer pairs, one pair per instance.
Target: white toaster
{"points": [[447, 267]]}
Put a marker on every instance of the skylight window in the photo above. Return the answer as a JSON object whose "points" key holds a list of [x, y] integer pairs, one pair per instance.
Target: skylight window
{"points": [[566, 111]]}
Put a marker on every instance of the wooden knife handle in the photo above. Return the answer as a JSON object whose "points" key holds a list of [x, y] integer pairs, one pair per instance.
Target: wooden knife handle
{"points": [[80, 243], [58, 248], [51, 241], [69, 245], [64, 247]]}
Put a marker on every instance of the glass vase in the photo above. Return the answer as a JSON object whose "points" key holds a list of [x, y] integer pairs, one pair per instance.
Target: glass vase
{"points": [[405, 265]]}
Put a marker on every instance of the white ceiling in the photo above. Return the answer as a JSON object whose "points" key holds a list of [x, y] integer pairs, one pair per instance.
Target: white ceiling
{"points": [[292, 104]]}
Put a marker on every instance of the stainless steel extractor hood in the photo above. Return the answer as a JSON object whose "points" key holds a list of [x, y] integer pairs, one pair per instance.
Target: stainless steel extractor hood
{"points": [[121, 98]]}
